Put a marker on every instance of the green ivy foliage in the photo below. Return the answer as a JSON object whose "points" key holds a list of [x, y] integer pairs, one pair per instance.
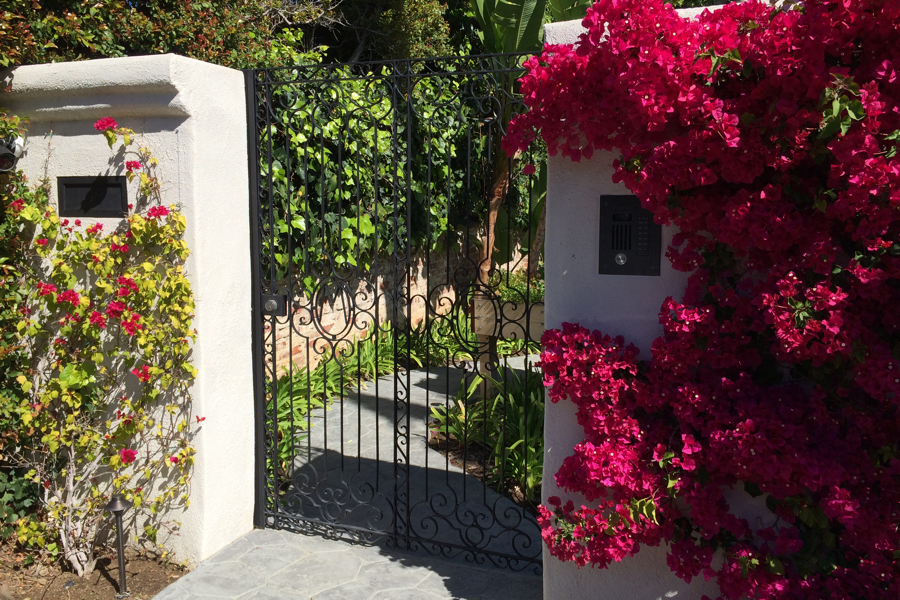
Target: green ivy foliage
{"points": [[357, 171]]}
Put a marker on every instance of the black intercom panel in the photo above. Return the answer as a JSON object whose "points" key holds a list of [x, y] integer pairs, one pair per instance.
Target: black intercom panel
{"points": [[630, 242], [98, 197]]}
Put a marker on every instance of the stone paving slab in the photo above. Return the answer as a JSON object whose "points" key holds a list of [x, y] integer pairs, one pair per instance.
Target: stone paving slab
{"points": [[344, 470], [278, 565]]}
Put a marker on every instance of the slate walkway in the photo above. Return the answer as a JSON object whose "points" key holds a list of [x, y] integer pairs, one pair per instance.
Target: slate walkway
{"points": [[270, 565], [344, 471]]}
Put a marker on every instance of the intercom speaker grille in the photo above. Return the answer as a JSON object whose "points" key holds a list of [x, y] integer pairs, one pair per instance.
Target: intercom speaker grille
{"points": [[630, 242], [621, 237]]}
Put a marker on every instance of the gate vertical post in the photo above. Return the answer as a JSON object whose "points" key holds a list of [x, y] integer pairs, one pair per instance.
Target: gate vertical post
{"points": [[259, 399]]}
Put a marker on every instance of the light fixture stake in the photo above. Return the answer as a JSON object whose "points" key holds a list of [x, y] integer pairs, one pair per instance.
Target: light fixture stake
{"points": [[118, 505]]}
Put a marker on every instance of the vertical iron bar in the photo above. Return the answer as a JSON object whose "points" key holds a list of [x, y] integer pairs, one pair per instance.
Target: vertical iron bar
{"points": [[376, 203], [335, 349], [427, 327], [409, 294], [289, 285], [273, 447], [398, 526]]}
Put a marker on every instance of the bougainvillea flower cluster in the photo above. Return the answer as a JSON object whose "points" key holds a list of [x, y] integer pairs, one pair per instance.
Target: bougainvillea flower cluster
{"points": [[105, 124], [769, 139]]}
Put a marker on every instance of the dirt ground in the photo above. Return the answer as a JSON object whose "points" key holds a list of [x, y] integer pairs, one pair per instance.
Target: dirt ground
{"points": [[145, 577]]}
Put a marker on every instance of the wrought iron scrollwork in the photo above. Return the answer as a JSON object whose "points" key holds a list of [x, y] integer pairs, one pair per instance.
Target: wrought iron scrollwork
{"points": [[370, 183]]}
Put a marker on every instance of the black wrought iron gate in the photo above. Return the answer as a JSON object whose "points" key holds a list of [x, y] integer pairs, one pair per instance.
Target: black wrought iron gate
{"points": [[395, 390]]}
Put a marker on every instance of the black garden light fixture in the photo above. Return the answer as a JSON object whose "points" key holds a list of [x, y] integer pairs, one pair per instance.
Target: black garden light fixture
{"points": [[117, 506], [11, 150]]}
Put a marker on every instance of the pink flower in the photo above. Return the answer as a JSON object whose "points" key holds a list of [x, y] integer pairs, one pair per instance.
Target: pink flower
{"points": [[45, 289], [93, 229], [16, 205], [127, 455], [142, 373], [123, 248], [173, 460], [70, 296], [776, 369], [97, 319], [115, 309], [128, 286], [132, 165], [788, 541], [131, 324], [157, 212], [690, 446], [41, 241], [105, 124], [528, 169]]}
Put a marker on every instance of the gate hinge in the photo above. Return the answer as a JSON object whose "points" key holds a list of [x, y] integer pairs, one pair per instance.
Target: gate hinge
{"points": [[274, 306]]}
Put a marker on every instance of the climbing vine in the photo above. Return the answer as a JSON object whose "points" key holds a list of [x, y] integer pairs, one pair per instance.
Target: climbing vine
{"points": [[769, 139], [105, 321]]}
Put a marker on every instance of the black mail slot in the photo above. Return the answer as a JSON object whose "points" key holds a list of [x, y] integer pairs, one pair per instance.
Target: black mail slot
{"points": [[100, 197], [630, 242]]}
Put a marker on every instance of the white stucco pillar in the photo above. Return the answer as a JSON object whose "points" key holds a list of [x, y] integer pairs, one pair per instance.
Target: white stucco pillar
{"points": [[193, 117]]}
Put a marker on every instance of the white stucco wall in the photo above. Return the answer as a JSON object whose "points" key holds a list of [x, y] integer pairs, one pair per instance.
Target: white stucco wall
{"points": [[614, 304], [192, 115]]}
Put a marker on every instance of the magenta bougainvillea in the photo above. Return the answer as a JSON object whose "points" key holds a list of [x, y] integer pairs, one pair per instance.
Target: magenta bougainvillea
{"points": [[769, 139]]}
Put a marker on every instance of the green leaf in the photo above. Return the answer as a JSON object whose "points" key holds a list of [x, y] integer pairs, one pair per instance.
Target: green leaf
{"points": [[517, 25], [830, 128], [568, 10], [856, 110], [845, 125], [366, 227], [774, 565]]}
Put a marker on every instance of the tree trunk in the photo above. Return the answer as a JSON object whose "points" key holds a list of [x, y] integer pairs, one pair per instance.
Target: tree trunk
{"points": [[488, 361], [499, 188], [537, 244]]}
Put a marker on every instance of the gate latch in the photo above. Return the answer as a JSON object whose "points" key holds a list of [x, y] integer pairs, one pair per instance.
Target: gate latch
{"points": [[274, 306]]}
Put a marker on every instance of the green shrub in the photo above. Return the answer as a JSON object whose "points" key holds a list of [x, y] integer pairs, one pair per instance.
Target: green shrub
{"points": [[519, 288], [18, 495], [507, 423]]}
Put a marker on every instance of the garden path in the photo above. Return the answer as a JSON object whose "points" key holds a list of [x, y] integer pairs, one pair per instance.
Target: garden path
{"points": [[277, 565], [269, 564], [344, 472]]}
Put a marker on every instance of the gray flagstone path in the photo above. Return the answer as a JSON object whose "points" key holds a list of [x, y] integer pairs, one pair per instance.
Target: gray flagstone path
{"points": [[270, 565], [344, 472]]}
